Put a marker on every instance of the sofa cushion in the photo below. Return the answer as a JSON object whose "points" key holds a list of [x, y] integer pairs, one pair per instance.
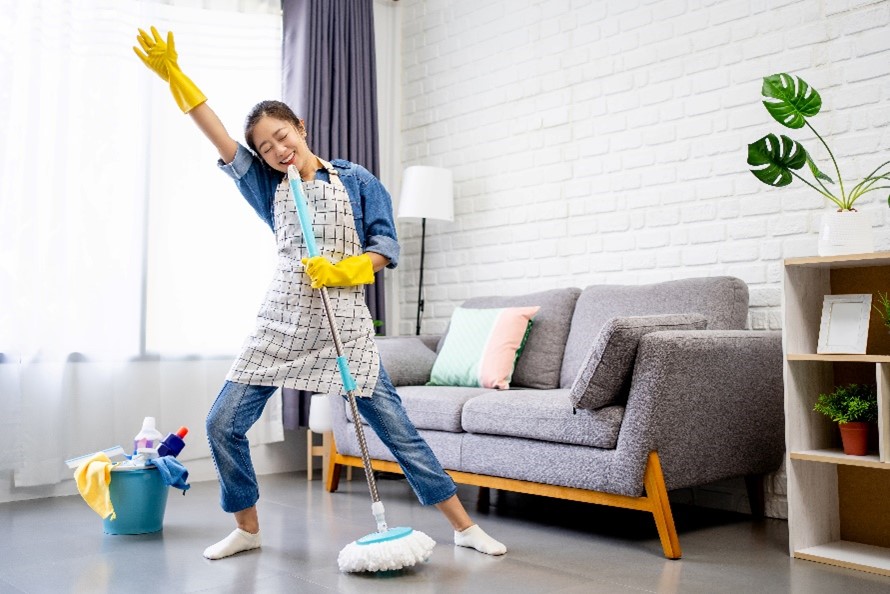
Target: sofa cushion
{"points": [[434, 407], [542, 356], [605, 375], [482, 346], [407, 359], [722, 300], [544, 415]]}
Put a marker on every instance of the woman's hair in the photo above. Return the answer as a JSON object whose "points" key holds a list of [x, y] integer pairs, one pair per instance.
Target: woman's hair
{"points": [[272, 109]]}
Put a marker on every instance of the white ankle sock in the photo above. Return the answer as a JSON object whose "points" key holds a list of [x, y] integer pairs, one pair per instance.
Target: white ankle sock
{"points": [[239, 540], [475, 537]]}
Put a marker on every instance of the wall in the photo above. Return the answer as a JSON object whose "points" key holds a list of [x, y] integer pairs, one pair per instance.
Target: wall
{"points": [[605, 142]]}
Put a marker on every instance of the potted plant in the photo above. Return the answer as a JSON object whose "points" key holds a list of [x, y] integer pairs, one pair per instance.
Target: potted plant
{"points": [[883, 308], [854, 407], [775, 160]]}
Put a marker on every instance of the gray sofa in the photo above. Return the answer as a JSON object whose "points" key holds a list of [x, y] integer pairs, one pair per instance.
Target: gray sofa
{"points": [[694, 407]]}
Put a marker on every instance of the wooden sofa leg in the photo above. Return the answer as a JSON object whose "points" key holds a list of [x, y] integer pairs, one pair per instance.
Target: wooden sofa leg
{"points": [[754, 483], [333, 474], [656, 492]]}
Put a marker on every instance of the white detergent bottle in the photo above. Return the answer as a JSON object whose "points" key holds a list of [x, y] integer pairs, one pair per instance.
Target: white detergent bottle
{"points": [[149, 438]]}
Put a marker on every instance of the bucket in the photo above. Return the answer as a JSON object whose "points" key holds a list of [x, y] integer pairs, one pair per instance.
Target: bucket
{"points": [[139, 497]]}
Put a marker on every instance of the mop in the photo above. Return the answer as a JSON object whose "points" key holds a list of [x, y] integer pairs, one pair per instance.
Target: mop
{"points": [[389, 548]]}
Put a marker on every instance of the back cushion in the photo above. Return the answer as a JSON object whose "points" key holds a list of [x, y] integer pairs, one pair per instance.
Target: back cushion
{"points": [[407, 359], [542, 357], [605, 375], [722, 300]]}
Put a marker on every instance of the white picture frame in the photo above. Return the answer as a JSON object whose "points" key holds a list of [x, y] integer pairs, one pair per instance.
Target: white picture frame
{"points": [[844, 327]]}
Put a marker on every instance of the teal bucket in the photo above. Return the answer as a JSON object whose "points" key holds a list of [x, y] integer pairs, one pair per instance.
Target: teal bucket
{"points": [[139, 498]]}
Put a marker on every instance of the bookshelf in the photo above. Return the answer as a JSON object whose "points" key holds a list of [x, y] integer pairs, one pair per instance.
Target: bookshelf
{"points": [[838, 505]]}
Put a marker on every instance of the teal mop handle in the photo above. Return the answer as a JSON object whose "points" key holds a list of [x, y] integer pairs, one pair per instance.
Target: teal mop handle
{"points": [[296, 187]]}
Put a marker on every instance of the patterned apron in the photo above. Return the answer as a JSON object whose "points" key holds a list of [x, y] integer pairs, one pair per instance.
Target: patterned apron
{"points": [[292, 345]]}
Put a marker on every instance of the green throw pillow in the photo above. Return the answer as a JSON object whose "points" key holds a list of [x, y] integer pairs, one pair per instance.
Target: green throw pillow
{"points": [[481, 347]]}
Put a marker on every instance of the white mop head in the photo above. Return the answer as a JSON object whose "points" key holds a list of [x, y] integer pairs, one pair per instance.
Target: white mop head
{"points": [[386, 551]]}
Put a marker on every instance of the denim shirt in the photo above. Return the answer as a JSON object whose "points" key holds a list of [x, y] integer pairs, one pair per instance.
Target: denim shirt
{"points": [[371, 204]]}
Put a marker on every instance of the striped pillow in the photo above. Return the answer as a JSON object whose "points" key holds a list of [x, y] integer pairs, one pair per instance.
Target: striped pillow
{"points": [[481, 347]]}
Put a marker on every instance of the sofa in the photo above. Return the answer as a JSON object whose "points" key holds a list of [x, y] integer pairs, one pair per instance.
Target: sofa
{"points": [[700, 400]]}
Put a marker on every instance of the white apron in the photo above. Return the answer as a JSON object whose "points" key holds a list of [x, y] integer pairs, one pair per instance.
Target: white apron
{"points": [[292, 345]]}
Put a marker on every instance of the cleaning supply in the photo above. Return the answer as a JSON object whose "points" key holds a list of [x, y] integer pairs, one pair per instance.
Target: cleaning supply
{"points": [[348, 272], [173, 473], [148, 438], [388, 548], [110, 452], [173, 443], [93, 477], [162, 59], [139, 496]]}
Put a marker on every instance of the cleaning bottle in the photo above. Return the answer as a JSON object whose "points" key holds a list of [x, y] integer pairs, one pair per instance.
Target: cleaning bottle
{"points": [[173, 444], [149, 438]]}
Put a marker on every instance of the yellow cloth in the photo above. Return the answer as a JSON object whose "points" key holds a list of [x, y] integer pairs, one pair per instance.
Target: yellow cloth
{"points": [[93, 477]]}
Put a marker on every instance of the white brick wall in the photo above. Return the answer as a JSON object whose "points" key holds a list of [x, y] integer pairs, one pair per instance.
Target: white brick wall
{"points": [[606, 141]]}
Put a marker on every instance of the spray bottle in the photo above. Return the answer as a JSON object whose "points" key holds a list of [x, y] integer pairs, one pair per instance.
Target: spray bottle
{"points": [[173, 444]]}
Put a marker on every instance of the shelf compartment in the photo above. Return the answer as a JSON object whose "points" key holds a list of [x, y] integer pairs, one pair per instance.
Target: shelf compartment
{"points": [[852, 555], [847, 261], [834, 456], [838, 358]]}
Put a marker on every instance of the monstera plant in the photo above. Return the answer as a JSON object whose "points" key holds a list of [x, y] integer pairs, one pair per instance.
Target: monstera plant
{"points": [[776, 160]]}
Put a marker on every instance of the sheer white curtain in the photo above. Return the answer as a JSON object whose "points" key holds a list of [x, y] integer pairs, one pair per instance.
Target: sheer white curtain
{"points": [[121, 245]]}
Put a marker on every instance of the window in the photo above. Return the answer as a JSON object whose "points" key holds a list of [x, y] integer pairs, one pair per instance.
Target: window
{"points": [[118, 236]]}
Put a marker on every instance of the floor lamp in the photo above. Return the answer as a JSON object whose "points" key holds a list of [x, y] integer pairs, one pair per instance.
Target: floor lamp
{"points": [[427, 193]]}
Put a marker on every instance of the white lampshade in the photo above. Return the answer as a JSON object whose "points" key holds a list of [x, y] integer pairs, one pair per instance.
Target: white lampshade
{"points": [[427, 193], [320, 420]]}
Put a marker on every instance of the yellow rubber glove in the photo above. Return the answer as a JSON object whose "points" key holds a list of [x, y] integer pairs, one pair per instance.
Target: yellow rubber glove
{"points": [[348, 272], [161, 58]]}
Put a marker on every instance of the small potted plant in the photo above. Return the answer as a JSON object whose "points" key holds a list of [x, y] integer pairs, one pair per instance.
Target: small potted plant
{"points": [[775, 161], [854, 407], [883, 308]]}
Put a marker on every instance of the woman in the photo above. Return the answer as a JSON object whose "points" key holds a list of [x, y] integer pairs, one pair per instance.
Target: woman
{"points": [[291, 346]]}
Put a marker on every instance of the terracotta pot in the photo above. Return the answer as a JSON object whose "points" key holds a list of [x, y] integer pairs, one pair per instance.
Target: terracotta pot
{"points": [[855, 438]]}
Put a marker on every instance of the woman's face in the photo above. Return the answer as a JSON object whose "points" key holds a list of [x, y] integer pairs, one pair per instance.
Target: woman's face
{"points": [[281, 144]]}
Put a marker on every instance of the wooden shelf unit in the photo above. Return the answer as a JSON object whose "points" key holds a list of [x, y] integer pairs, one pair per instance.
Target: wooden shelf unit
{"points": [[838, 505]]}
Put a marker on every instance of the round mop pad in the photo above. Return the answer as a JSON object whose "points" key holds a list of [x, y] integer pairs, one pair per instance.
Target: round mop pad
{"points": [[385, 551]]}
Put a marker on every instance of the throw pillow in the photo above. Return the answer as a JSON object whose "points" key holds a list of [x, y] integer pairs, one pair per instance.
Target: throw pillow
{"points": [[605, 374], [481, 347], [407, 359], [541, 361]]}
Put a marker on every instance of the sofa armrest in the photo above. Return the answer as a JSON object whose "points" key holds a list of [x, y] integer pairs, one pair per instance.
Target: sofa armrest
{"points": [[711, 402], [407, 359]]}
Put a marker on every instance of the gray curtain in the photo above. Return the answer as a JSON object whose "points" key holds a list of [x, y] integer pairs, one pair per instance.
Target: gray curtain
{"points": [[329, 81]]}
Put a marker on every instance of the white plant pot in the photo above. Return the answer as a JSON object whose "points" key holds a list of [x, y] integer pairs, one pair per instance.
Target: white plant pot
{"points": [[845, 232]]}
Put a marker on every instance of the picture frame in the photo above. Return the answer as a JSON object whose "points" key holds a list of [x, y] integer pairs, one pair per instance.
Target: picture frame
{"points": [[844, 326]]}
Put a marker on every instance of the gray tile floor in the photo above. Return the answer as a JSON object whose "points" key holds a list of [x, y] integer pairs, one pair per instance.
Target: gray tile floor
{"points": [[57, 545]]}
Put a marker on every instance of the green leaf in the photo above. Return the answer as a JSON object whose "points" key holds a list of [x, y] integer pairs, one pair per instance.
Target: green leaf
{"points": [[815, 171], [774, 158], [789, 99]]}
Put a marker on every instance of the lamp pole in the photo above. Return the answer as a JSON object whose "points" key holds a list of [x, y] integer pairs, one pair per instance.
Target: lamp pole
{"points": [[420, 282]]}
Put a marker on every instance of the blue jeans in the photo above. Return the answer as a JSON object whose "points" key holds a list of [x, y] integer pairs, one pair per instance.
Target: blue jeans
{"points": [[238, 407]]}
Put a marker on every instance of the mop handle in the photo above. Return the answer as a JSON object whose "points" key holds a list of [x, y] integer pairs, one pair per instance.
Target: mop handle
{"points": [[296, 187]]}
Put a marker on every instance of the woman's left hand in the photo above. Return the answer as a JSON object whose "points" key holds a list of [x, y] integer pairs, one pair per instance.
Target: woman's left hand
{"points": [[348, 272]]}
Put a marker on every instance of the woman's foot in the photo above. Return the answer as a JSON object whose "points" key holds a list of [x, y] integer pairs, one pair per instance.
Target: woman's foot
{"points": [[475, 537], [236, 542]]}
